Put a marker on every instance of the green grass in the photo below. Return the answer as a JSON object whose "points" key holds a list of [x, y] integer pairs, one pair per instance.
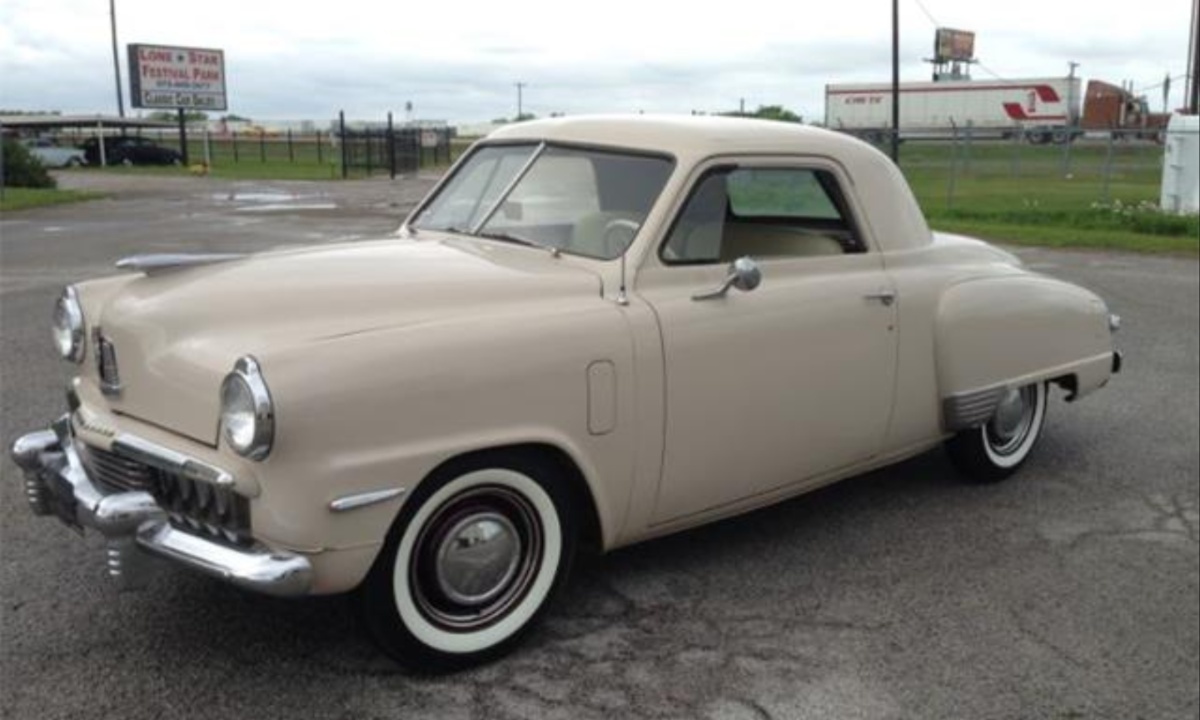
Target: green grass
{"points": [[26, 198], [1087, 195]]}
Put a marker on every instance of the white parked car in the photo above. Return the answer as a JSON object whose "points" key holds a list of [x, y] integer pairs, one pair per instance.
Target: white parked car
{"points": [[594, 331], [51, 155]]}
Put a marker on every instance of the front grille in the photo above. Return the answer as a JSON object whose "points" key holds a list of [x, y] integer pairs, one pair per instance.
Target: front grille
{"points": [[194, 505]]}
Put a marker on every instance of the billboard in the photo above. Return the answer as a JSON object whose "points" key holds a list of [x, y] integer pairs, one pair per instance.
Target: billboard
{"points": [[953, 45], [168, 77]]}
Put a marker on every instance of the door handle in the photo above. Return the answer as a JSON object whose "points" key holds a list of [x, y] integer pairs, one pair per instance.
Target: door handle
{"points": [[886, 297]]}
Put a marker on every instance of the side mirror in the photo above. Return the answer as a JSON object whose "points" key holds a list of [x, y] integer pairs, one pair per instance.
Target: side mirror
{"points": [[743, 275]]}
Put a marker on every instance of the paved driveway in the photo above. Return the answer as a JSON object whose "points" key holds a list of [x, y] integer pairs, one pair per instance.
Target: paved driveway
{"points": [[1070, 591]]}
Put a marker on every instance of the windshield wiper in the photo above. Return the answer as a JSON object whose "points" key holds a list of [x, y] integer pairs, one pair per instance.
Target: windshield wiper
{"points": [[509, 237]]}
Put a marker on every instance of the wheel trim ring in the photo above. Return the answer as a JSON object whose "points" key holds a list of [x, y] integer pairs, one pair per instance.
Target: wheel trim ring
{"points": [[1005, 444], [424, 587]]}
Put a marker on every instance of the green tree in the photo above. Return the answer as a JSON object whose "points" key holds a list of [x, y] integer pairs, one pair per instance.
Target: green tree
{"points": [[22, 169], [168, 116], [777, 112]]}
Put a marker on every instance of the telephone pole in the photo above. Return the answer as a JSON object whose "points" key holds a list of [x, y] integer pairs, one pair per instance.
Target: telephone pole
{"points": [[896, 81], [1191, 98], [112, 13], [520, 106]]}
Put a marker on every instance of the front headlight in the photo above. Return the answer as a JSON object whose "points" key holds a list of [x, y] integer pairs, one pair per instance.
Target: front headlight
{"points": [[247, 413], [68, 327]]}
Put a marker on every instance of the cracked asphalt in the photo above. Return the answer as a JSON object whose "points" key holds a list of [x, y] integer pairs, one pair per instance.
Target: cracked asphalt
{"points": [[1068, 592]]}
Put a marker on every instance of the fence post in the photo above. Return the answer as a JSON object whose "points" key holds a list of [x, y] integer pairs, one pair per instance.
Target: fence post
{"points": [[236, 157], [967, 148], [1066, 142], [291, 151], [262, 145], [367, 137], [1108, 160], [320, 159], [391, 146], [342, 139], [1018, 140], [953, 167]]}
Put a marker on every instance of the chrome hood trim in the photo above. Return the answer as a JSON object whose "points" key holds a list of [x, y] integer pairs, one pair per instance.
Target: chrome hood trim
{"points": [[154, 263]]}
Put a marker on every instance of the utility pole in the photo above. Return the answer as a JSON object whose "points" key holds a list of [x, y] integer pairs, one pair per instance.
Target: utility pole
{"points": [[1071, 116], [1191, 98], [520, 105], [896, 81], [112, 13]]}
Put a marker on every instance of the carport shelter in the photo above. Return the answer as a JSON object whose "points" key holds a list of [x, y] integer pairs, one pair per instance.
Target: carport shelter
{"points": [[101, 124]]}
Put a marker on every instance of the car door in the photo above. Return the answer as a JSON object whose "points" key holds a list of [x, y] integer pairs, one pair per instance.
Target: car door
{"points": [[775, 386]]}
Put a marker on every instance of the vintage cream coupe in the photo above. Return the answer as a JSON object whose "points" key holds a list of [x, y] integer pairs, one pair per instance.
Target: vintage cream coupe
{"points": [[593, 331]]}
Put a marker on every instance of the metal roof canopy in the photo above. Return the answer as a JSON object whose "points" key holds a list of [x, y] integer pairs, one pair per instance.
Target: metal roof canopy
{"points": [[30, 122]]}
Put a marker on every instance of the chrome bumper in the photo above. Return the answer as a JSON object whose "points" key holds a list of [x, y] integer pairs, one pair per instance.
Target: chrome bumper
{"points": [[136, 526]]}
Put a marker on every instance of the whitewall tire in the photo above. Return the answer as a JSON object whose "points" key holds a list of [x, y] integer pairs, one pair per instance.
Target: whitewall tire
{"points": [[996, 450], [471, 562]]}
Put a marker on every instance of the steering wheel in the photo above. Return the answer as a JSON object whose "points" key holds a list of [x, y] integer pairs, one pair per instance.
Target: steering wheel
{"points": [[612, 242]]}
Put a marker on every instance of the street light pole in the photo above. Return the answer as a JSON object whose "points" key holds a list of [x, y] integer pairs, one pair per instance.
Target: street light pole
{"points": [[112, 13], [520, 108]]}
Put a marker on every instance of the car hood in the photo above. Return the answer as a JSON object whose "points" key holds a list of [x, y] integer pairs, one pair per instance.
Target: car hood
{"points": [[177, 333]]}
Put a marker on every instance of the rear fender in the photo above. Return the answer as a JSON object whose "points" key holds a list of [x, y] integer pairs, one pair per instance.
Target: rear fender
{"points": [[1002, 332]]}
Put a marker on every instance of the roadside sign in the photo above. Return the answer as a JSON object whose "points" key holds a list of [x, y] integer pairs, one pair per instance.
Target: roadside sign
{"points": [[169, 77]]}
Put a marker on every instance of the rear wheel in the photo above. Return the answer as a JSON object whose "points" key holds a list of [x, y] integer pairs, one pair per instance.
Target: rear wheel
{"points": [[471, 563], [997, 449]]}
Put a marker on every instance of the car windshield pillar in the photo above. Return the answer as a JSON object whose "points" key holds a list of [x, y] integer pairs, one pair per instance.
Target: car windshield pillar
{"points": [[509, 188]]}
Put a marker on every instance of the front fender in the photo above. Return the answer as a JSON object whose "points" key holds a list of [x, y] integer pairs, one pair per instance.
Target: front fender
{"points": [[994, 333]]}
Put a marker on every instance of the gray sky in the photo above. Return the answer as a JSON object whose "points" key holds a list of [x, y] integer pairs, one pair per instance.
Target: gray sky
{"points": [[459, 60]]}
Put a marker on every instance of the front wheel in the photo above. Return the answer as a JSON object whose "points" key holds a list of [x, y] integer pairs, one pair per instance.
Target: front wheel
{"points": [[997, 449], [470, 564]]}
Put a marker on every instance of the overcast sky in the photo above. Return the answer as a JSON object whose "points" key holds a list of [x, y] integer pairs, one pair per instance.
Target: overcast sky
{"points": [[459, 60]]}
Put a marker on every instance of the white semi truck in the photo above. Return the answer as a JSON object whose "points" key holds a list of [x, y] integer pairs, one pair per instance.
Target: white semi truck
{"points": [[1043, 109]]}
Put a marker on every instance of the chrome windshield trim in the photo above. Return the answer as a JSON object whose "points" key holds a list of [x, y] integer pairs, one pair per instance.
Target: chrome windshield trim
{"points": [[359, 500], [537, 153], [152, 263], [169, 460]]}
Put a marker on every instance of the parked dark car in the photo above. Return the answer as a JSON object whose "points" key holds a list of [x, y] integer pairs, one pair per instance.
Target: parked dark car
{"points": [[130, 150]]}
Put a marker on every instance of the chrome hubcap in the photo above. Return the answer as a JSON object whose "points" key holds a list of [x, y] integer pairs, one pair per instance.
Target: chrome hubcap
{"points": [[1013, 419], [475, 558], [478, 558]]}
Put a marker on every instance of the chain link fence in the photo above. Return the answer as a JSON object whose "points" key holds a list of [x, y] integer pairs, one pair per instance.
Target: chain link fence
{"points": [[1074, 168]]}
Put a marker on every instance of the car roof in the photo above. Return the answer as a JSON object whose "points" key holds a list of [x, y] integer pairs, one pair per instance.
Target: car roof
{"points": [[684, 135]]}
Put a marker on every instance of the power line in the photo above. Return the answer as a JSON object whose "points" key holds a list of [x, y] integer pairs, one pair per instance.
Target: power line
{"points": [[928, 14]]}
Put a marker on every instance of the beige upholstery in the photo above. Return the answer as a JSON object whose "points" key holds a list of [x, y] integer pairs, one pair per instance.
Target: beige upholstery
{"points": [[764, 241]]}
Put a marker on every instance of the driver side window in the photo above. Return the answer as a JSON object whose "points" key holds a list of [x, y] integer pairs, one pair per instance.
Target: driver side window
{"points": [[768, 212]]}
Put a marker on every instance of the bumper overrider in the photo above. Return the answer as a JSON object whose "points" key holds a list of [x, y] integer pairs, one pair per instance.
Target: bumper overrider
{"points": [[136, 526]]}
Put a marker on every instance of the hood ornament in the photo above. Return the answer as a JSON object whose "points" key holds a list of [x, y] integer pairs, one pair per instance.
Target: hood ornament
{"points": [[152, 264]]}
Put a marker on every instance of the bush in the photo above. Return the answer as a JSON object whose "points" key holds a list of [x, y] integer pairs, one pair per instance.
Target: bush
{"points": [[22, 169]]}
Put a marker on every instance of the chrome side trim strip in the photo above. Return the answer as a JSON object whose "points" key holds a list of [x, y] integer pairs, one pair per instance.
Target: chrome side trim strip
{"points": [[166, 459], [972, 408], [353, 502], [154, 263]]}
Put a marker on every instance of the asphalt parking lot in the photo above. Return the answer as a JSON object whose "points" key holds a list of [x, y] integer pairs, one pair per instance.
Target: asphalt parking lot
{"points": [[1070, 592]]}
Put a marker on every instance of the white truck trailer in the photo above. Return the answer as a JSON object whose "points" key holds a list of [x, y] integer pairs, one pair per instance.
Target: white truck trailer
{"points": [[1041, 108]]}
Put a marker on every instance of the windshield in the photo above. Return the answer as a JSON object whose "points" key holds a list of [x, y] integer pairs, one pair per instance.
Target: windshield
{"points": [[584, 202]]}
